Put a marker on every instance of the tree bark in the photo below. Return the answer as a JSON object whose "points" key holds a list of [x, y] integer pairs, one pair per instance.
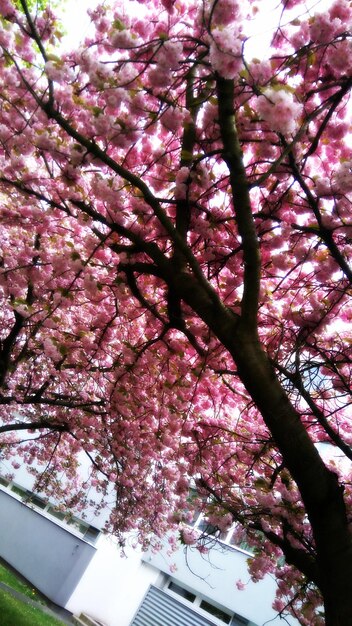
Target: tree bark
{"points": [[319, 488]]}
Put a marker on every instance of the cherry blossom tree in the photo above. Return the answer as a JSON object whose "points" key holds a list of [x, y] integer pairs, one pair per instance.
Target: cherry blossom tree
{"points": [[175, 239]]}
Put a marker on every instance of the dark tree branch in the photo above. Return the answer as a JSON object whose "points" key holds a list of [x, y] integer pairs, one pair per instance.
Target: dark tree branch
{"points": [[232, 155], [296, 380], [299, 557], [35, 426], [325, 234]]}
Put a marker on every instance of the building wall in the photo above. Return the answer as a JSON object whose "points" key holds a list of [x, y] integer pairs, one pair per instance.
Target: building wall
{"points": [[48, 555], [160, 608], [99, 581], [214, 576], [113, 586], [94, 513]]}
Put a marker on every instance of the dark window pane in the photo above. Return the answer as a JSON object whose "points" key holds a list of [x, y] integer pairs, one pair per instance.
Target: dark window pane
{"points": [[56, 513], [37, 502], [208, 529], [237, 620], [23, 493], [213, 610], [194, 518], [79, 526], [240, 540], [92, 533], [182, 592]]}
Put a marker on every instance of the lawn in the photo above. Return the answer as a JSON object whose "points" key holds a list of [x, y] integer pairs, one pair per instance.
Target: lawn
{"points": [[15, 613], [9, 578]]}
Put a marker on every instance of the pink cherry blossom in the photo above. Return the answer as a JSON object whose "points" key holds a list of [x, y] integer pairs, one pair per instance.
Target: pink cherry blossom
{"points": [[175, 280], [280, 110]]}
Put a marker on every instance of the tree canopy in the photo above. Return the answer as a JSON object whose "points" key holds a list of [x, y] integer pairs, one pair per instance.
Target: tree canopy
{"points": [[175, 278]]}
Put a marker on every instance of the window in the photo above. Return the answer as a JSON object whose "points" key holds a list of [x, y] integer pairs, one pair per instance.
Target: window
{"points": [[239, 539], [213, 610], [77, 524], [56, 513], [37, 502], [28, 497], [222, 615], [87, 532], [237, 620], [92, 534], [205, 527], [20, 491], [234, 536], [182, 592]]}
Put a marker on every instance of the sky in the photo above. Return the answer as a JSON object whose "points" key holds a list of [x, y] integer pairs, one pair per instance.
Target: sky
{"points": [[260, 29]]}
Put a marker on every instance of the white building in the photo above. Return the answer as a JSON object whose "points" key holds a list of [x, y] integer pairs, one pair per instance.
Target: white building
{"points": [[81, 569]]}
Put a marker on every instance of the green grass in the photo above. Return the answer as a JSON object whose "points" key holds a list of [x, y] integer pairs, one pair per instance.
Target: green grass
{"points": [[9, 578], [16, 613]]}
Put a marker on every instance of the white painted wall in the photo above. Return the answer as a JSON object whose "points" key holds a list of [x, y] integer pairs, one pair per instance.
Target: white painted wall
{"points": [[113, 586], [94, 514], [214, 577]]}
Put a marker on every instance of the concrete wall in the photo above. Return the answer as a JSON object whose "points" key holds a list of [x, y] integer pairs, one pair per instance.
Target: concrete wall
{"points": [[45, 553]]}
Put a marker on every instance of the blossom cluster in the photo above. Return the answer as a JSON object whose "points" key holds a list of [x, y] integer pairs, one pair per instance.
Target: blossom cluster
{"points": [[125, 220]]}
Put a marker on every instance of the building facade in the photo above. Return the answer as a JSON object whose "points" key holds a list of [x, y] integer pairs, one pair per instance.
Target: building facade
{"points": [[81, 569]]}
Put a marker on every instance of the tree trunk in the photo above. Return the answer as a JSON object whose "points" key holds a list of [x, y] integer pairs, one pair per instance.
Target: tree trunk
{"points": [[319, 488]]}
